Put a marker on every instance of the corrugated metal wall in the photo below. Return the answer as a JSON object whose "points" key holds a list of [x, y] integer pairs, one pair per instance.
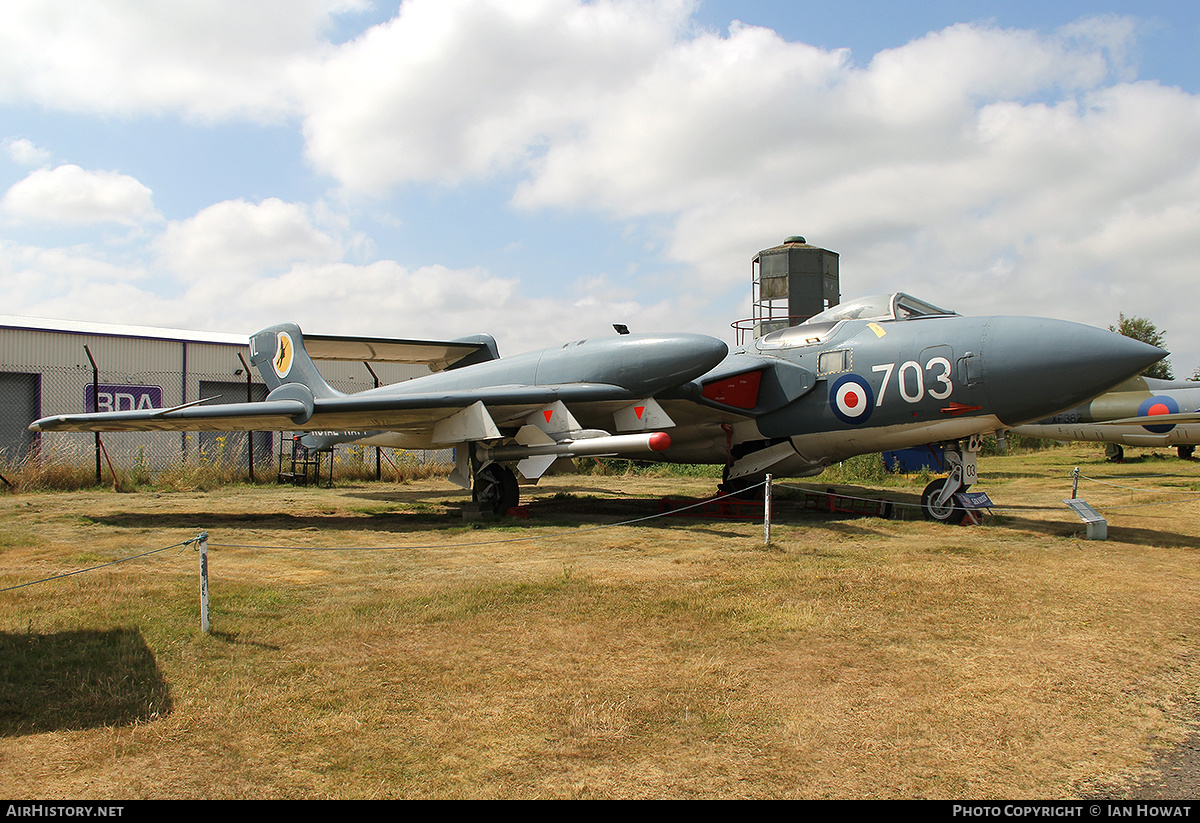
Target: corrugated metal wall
{"points": [[45, 371]]}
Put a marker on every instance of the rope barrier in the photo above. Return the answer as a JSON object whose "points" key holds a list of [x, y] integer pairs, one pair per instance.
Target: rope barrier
{"points": [[1133, 488], [1175, 493], [203, 542], [523, 539], [101, 566], [1003, 509]]}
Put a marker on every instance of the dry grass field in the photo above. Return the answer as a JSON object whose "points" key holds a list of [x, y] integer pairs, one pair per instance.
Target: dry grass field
{"points": [[368, 642]]}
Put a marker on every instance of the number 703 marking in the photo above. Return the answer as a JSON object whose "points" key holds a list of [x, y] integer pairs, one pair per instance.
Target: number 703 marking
{"points": [[911, 378]]}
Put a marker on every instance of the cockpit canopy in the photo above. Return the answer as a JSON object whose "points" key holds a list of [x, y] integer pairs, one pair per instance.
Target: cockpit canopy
{"points": [[897, 306], [878, 307]]}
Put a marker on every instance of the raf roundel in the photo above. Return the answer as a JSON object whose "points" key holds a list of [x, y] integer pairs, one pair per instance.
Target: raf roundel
{"points": [[1155, 406], [851, 399]]}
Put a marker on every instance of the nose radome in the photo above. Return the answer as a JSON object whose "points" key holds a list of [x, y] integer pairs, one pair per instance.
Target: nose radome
{"points": [[1036, 367]]}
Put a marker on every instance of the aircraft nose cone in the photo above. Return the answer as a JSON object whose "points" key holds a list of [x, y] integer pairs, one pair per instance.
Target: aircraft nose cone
{"points": [[1034, 368]]}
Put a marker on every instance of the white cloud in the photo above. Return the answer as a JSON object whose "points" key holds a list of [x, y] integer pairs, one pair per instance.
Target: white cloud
{"points": [[452, 89], [992, 170], [71, 195], [75, 283], [390, 300], [376, 299], [237, 238], [24, 152], [960, 163], [206, 58]]}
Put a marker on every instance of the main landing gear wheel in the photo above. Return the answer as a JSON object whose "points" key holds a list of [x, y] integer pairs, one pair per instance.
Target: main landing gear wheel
{"points": [[947, 511], [496, 488], [1185, 452], [1114, 452]]}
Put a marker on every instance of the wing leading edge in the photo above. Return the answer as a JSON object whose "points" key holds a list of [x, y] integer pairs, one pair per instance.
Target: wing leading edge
{"points": [[303, 412], [479, 398]]}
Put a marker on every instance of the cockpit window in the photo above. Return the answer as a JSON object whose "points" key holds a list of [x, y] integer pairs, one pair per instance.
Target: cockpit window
{"points": [[875, 307], [906, 306], [834, 362], [898, 306]]}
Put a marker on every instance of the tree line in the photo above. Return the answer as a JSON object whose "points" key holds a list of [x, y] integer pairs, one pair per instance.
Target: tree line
{"points": [[1140, 328]]}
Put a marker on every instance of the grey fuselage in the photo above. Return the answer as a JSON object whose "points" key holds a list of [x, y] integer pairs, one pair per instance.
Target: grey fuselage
{"points": [[868, 375], [815, 393]]}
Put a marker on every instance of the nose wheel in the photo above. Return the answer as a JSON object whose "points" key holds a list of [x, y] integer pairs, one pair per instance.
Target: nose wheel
{"points": [[941, 507], [938, 501]]}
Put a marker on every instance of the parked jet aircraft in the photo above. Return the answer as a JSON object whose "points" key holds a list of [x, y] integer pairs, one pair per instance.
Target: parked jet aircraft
{"points": [[880, 373], [1141, 411]]}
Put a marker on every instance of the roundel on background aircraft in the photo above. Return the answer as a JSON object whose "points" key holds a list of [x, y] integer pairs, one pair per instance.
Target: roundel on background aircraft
{"points": [[1158, 405], [851, 399]]}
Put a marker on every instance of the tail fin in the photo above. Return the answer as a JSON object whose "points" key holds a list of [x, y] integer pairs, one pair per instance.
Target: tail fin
{"points": [[279, 356]]}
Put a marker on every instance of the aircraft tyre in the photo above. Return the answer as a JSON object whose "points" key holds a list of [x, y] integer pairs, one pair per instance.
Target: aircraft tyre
{"points": [[1185, 452], [1114, 452], [949, 512], [497, 489]]}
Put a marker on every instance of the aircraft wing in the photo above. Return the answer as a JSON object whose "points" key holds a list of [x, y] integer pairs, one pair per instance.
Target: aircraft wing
{"points": [[303, 412], [1153, 419], [607, 383], [261, 416], [436, 354]]}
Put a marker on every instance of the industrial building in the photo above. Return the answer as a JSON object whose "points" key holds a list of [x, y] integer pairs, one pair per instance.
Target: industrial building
{"points": [[61, 367]]}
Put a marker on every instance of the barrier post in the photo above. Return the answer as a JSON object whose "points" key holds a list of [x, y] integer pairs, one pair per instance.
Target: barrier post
{"points": [[767, 512], [203, 540]]}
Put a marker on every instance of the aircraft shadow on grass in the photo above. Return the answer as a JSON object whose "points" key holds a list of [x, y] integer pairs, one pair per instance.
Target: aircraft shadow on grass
{"points": [[581, 508], [78, 680], [430, 512], [567, 512]]}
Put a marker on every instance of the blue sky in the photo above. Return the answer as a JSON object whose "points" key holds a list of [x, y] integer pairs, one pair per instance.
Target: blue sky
{"points": [[540, 170]]}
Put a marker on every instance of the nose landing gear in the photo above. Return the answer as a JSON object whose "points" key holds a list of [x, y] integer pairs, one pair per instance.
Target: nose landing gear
{"points": [[938, 501]]}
